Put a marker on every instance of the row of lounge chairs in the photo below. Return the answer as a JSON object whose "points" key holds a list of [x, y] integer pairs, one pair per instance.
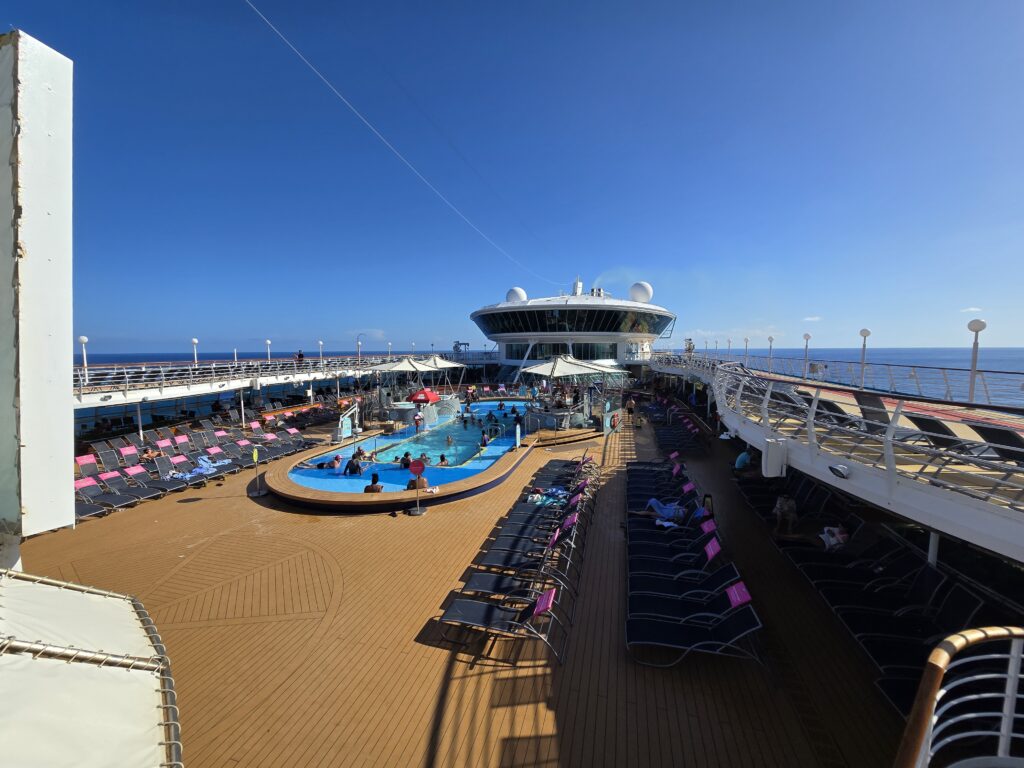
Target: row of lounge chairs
{"points": [[675, 429], [893, 602], [114, 476], [525, 583], [681, 597]]}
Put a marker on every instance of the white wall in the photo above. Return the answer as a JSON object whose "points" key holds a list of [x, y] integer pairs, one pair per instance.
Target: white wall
{"points": [[35, 287]]}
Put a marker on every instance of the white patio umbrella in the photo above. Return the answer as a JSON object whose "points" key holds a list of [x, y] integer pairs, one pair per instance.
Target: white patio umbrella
{"points": [[562, 366], [443, 365]]}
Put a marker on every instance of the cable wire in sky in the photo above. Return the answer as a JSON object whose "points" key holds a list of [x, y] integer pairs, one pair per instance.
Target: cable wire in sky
{"points": [[454, 208]]}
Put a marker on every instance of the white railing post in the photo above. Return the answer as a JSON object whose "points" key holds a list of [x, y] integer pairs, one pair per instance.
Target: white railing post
{"points": [[1010, 697], [764, 403], [812, 435], [890, 454]]}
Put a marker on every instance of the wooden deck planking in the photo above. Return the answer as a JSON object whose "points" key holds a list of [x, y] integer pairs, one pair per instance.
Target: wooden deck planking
{"points": [[311, 641]]}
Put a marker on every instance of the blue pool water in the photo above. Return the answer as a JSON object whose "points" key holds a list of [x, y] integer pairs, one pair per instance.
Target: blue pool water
{"points": [[465, 455]]}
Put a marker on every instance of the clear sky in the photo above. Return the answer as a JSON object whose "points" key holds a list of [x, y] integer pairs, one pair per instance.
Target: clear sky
{"points": [[771, 168]]}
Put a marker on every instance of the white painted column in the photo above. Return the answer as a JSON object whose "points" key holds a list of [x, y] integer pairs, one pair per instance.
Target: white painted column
{"points": [[36, 417]]}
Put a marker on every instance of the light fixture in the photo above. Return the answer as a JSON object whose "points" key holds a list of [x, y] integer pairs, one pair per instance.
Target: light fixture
{"points": [[839, 470]]}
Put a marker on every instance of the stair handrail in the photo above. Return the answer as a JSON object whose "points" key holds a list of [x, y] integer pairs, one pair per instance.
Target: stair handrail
{"points": [[917, 747]]}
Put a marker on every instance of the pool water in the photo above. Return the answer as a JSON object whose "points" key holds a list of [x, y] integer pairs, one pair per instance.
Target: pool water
{"points": [[464, 454]]}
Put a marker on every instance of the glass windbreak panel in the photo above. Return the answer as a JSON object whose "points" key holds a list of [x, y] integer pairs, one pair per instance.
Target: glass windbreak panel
{"points": [[573, 320], [595, 351]]}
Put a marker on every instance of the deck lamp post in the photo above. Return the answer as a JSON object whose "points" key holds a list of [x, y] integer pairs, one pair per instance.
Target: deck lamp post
{"points": [[807, 341], [268, 350], [195, 352], [746, 344], [864, 333], [236, 354], [771, 341], [389, 350], [716, 349], [976, 326], [728, 348], [705, 349], [83, 340], [359, 348], [320, 343], [414, 349]]}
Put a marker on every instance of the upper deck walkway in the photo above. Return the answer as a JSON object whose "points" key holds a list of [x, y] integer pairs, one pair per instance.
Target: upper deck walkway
{"points": [[957, 469], [308, 640]]}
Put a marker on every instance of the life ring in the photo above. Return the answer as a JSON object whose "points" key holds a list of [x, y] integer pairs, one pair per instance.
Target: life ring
{"points": [[615, 420]]}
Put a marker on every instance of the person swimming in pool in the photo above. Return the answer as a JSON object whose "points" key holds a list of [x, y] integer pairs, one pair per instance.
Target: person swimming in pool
{"points": [[334, 463], [443, 461]]}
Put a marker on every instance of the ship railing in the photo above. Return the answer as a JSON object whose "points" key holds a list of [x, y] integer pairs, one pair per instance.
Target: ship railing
{"points": [[972, 467], [985, 470], [999, 388], [109, 378], [969, 702]]}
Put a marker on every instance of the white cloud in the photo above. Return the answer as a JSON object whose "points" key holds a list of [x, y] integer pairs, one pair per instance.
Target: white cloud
{"points": [[972, 309], [812, 319]]}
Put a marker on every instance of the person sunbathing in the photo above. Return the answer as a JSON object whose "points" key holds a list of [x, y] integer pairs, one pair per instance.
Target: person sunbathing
{"points": [[149, 454], [334, 463]]}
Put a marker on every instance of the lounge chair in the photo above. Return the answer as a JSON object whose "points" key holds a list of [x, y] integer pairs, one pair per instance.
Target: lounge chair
{"points": [[139, 475], [507, 620], [688, 584], [84, 509], [1007, 443], [721, 638], [116, 483], [707, 611], [953, 613], [170, 466], [675, 567], [91, 492]]}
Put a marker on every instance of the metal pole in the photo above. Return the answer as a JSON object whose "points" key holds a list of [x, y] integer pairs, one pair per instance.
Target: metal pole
{"points": [[241, 404], [863, 354], [236, 355], [85, 358], [195, 353], [746, 343], [771, 341], [268, 350], [807, 341], [321, 354], [138, 417]]}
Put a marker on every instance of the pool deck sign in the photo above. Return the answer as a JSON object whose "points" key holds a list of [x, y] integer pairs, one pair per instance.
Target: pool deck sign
{"points": [[416, 467]]}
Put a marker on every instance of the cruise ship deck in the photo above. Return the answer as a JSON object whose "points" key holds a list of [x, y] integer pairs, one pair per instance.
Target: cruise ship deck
{"points": [[307, 640]]}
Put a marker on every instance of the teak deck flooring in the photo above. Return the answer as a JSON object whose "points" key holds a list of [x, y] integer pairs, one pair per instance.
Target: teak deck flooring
{"points": [[306, 640]]}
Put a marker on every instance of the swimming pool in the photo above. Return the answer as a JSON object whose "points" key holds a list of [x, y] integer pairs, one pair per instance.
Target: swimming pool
{"points": [[464, 453]]}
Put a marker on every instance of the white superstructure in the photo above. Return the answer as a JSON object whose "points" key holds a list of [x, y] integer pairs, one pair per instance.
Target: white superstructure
{"points": [[589, 326]]}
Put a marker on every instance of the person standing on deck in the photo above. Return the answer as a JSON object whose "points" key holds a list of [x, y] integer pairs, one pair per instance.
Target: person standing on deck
{"points": [[630, 408]]}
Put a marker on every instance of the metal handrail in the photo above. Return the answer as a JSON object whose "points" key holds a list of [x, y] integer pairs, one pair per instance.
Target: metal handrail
{"points": [[971, 467], [997, 388], [942, 703]]}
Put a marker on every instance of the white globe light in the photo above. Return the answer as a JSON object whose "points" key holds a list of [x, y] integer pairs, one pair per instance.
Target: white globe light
{"points": [[515, 294], [195, 341], [807, 337], [641, 292], [83, 339], [977, 325], [268, 342], [865, 332]]}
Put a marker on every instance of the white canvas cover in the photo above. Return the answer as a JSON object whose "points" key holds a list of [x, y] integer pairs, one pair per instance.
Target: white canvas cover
{"points": [[37, 612], [58, 714], [82, 681]]}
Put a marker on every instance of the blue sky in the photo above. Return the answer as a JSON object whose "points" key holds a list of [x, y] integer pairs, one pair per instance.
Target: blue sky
{"points": [[771, 168]]}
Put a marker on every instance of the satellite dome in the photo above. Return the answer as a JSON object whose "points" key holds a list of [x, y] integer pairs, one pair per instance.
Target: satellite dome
{"points": [[642, 292], [515, 294]]}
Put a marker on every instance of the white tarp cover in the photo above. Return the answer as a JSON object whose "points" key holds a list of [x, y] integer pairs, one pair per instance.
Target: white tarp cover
{"points": [[57, 714], [37, 612]]}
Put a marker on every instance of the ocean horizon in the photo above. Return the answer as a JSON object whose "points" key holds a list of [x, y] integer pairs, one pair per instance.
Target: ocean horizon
{"points": [[1009, 359]]}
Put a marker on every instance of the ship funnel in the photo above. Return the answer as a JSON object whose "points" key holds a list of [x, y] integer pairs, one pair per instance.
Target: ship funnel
{"points": [[577, 287]]}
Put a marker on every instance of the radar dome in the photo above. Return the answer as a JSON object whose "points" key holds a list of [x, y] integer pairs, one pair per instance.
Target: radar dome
{"points": [[642, 292], [515, 294]]}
